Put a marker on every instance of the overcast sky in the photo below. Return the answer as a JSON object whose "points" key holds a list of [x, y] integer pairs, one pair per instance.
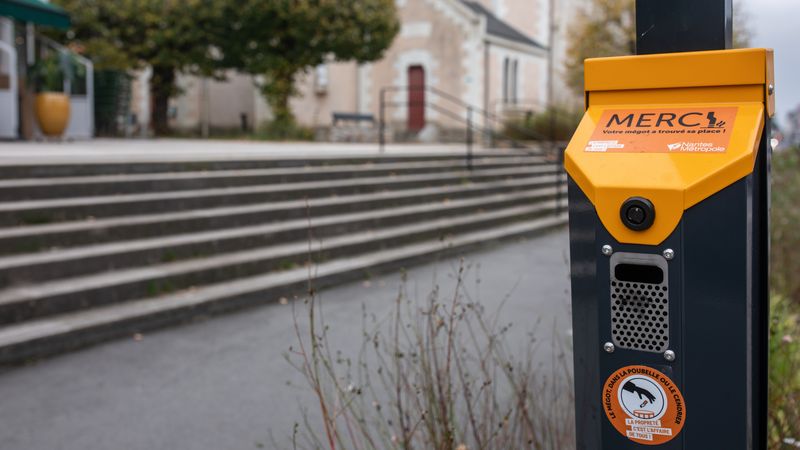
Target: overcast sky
{"points": [[776, 24]]}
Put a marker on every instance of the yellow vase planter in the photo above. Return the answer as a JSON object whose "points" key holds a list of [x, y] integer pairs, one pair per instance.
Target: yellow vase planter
{"points": [[52, 112]]}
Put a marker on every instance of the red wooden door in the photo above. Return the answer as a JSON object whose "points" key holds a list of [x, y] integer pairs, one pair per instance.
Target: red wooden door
{"points": [[416, 98]]}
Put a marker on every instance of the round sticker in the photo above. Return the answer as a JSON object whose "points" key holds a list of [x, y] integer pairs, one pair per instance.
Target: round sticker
{"points": [[644, 405]]}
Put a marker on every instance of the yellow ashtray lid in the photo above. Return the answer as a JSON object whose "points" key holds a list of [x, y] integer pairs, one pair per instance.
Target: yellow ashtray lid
{"points": [[674, 155]]}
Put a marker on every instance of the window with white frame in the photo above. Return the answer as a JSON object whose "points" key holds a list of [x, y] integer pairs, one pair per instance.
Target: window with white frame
{"points": [[514, 74], [510, 77], [505, 80]]}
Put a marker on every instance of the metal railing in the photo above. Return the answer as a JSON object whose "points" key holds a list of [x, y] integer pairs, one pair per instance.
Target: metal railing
{"points": [[492, 122], [493, 127]]}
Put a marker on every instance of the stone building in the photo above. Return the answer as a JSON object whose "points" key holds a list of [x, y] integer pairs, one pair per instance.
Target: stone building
{"points": [[456, 52], [489, 55]]}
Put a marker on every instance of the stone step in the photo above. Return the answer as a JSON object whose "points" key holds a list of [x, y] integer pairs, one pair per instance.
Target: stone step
{"points": [[33, 238], [65, 295], [98, 185], [58, 333], [45, 211], [125, 164], [72, 262]]}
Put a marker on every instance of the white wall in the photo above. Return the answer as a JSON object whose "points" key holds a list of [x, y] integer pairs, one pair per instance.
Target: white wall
{"points": [[220, 102]]}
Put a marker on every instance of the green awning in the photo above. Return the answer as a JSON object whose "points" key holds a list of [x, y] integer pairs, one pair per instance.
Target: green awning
{"points": [[35, 11]]}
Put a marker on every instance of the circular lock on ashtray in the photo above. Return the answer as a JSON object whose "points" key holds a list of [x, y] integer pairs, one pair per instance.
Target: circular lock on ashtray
{"points": [[638, 213]]}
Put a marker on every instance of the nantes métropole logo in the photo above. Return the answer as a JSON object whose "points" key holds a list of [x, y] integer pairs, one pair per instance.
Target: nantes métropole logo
{"points": [[667, 130]]}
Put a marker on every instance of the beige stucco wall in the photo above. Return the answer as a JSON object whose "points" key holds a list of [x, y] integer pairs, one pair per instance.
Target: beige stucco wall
{"points": [[438, 36], [227, 101], [527, 16], [531, 78], [187, 104], [230, 99], [435, 34], [532, 18], [315, 103]]}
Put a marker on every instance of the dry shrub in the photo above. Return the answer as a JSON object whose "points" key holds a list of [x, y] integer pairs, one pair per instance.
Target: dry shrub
{"points": [[440, 373]]}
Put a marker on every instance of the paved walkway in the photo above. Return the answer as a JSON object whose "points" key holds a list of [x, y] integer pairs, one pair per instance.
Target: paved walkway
{"points": [[222, 384], [160, 150]]}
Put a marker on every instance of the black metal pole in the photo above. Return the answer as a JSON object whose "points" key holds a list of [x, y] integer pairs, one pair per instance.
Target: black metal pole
{"points": [[560, 179], [469, 137], [381, 122], [699, 25], [761, 289], [683, 25]]}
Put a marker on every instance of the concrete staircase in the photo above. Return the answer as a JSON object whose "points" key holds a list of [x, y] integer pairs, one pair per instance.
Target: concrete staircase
{"points": [[89, 252]]}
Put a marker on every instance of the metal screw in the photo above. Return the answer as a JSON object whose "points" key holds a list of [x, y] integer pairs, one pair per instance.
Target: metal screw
{"points": [[607, 250], [608, 347], [669, 254], [669, 355], [771, 89]]}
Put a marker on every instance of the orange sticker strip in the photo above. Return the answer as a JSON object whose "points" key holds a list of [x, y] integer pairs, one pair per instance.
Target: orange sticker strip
{"points": [[668, 130]]}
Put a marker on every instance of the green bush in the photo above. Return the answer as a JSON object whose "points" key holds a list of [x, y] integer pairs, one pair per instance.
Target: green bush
{"points": [[283, 131], [786, 223], [784, 374], [555, 123], [47, 73], [784, 377], [50, 71]]}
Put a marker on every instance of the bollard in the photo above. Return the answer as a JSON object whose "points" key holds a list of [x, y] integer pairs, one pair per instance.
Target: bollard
{"points": [[668, 216]]}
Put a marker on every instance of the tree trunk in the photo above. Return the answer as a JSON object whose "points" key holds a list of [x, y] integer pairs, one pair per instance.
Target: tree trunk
{"points": [[280, 108], [277, 90], [162, 86]]}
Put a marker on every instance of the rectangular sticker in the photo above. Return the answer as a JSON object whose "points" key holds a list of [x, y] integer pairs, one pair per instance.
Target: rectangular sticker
{"points": [[665, 130]]}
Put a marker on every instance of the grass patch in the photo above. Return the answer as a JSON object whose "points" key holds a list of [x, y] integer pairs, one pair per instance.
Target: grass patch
{"points": [[28, 247], [37, 219], [784, 374], [157, 288], [784, 364], [281, 131], [286, 265], [169, 256]]}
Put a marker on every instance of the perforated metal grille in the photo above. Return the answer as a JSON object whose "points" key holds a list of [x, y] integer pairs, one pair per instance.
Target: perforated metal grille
{"points": [[640, 315]]}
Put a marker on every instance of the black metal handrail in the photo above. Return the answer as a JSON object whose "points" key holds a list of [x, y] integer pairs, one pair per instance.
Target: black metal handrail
{"points": [[488, 115], [470, 125], [469, 111]]}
